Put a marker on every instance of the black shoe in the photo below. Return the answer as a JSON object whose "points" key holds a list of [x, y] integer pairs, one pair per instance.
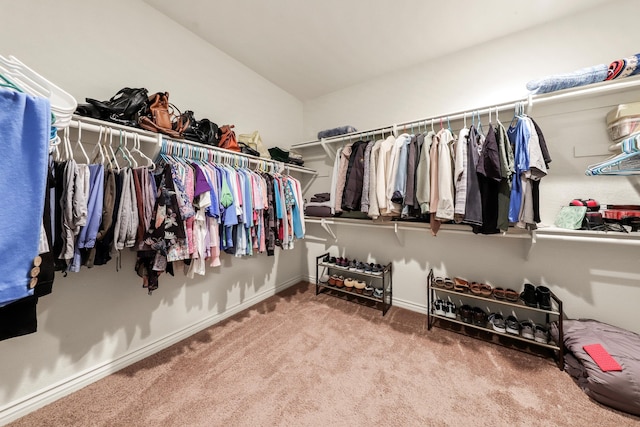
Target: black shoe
{"points": [[479, 317], [326, 259], [529, 295], [466, 313], [543, 297]]}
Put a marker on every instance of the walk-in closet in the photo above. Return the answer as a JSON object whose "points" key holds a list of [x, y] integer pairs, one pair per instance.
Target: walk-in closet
{"points": [[319, 213]]}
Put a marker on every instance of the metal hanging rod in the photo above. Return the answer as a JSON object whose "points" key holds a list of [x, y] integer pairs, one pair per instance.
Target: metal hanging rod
{"points": [[528, 102], [94, 125]]}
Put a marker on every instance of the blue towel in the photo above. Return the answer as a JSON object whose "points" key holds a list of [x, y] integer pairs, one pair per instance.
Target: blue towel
{"points": [[25, 124], [581, 77]]}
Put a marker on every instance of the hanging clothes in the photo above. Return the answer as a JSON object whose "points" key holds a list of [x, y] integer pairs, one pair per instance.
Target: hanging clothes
{"points": [[473, 204], [489, 177]]}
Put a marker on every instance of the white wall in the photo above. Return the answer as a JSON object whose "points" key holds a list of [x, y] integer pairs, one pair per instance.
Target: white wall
{"points": [[595, 280], [100, 319]]}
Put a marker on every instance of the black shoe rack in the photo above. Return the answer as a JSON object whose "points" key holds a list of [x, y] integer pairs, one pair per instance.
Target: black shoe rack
{"points": [[382, 281], [486, 331]]}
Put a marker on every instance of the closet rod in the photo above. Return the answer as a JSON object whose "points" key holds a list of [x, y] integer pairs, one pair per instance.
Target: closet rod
{"points": [[94, 126], [252, 159], [529, 101]]}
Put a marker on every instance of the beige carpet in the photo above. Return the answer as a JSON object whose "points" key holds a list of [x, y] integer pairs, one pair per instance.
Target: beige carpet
{"points": [[297, 359]]}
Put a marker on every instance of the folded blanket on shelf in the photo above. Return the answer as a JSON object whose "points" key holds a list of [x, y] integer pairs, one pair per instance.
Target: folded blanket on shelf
{"points": [[581, 77], [617, 69], [336, 131]]}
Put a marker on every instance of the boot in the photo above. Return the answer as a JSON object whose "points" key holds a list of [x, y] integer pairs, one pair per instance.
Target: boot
{"points": [[543, 296], [528, 296]]}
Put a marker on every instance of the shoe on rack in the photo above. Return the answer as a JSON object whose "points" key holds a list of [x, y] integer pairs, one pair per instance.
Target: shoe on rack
{"points": [[352, 265], [332, 260], [368, 290], [450, 309], [543, 297], [526, 329], [324, 279], [512, 325], [360, 267], [497, 322], [479, 317], [349, 283], [511, 295], [466, 313], [377, 269], [540, 334], [438, 306], [359, 286], [528, 296], [368, 268], [326, 259], [340, 281], [377, 293]]}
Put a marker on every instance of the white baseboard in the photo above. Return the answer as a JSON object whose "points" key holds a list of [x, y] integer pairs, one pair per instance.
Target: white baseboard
{"points": [[21, 407], [407, 305]]}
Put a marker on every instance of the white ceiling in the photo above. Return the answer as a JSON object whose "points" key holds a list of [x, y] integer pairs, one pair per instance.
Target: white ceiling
{"points": [[313, 47]]}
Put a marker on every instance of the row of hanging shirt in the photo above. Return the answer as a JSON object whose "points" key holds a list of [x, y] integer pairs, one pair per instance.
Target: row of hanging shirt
{"points": [[188, 211], [204, 207], [488, 181]]}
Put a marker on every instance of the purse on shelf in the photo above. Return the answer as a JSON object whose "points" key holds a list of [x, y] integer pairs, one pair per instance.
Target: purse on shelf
{"points": [[228, 139], [203, 131], [571, 217], [124, 107], [158, 117], [254, 142]]}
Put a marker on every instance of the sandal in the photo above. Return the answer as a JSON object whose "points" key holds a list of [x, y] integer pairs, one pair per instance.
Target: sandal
{"points": [[438, 282], [448, 283], [511, 295], [475, 288], [485, 290], [498, 293], [460, 285]]}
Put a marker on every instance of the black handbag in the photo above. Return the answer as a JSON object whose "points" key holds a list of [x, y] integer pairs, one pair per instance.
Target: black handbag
{"points": [[124, 107], [244, 148], [203, 131]]}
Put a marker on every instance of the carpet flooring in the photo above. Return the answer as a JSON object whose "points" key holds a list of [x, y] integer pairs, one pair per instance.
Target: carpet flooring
{"points": [[298, 359]]}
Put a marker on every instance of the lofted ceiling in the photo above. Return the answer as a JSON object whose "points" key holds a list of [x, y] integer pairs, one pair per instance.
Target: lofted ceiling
{"points": [[313, 47]]}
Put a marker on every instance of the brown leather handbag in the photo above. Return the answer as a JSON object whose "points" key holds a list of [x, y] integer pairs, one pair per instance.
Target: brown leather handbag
{"points": [[159, 118], [228, 139]]}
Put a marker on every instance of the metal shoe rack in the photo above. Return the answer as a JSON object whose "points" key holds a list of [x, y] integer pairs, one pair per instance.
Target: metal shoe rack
{"points": [[380, 281], [520, 310]]}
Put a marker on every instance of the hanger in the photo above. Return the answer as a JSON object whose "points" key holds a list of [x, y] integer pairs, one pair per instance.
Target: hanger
{"points": [[449, 125], [79, 143], [480, 130], [136, 149], [621, 164], [97, 153], [628, 145]]}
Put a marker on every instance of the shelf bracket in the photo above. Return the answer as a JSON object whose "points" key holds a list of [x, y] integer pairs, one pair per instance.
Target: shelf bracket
{"points": [[327, 149], [395, 231], [532, 243], [308, 183], [325, 226]]}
